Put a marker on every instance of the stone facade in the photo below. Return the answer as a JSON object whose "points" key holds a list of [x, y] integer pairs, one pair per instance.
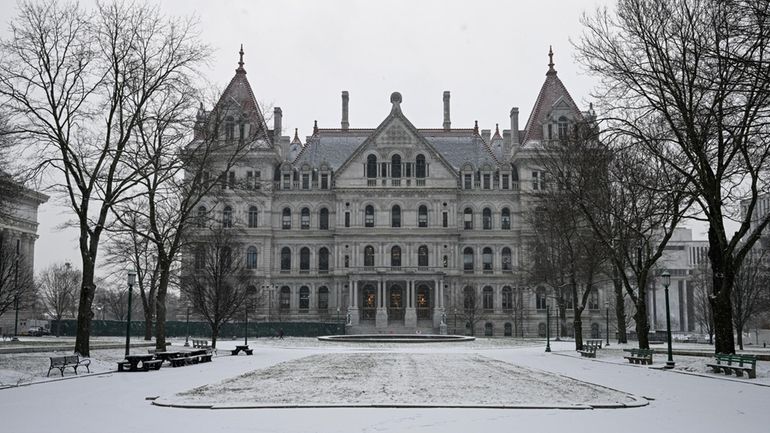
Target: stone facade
{"points": [[393, 228]]}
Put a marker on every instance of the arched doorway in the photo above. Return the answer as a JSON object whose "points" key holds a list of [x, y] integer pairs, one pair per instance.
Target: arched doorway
{"points": [[423, 302], [396, 303], [368, 302]]}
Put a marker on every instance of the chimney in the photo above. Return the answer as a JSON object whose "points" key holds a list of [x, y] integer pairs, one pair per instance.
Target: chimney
{"points": [[277, 124], [345, 99], [447, 122], [486, 134], [514, 127]]}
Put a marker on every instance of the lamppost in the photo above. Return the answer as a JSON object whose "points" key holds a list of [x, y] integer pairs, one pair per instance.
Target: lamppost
{"points": [[455, 325], [547, 328], [607, 321], [16, 293], [187, 338], [131, 281], [246, 323], [666, 282], [558, 320]]}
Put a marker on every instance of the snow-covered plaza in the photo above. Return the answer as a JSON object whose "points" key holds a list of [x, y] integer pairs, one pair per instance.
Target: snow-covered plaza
{"points": [[302, 385]]}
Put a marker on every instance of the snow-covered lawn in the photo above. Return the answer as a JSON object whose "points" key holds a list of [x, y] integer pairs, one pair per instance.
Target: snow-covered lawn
{"points": [[118, 402], [433, 379]]}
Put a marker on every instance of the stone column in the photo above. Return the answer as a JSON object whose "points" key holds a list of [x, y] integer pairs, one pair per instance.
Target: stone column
{"points": [[436, 304], [381, 319], [353, 301], [410, 315]]}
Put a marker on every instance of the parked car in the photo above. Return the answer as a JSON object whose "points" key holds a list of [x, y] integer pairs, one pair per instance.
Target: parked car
{"points": [[37, 331]]}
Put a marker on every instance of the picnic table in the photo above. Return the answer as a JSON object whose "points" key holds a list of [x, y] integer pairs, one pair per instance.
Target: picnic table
{"points": [[132, 363], [242, 347], [168, 355]]}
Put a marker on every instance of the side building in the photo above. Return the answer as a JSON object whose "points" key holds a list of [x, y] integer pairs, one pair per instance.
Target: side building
{"points": [[18, 233], [392, 228]]}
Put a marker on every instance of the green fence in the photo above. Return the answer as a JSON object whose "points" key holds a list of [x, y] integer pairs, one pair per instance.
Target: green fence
{"points": [[177, 328]]}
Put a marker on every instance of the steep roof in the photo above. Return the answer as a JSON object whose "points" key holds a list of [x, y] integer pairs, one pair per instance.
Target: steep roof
{"points": [[239, 94], [552, 91]]}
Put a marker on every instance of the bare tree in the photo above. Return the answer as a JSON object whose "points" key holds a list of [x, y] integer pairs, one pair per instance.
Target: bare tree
{"points": [[699, 70], [17, 287], [749, 294], [58, 286], [702, 283], [218, 282], [76, 83]]}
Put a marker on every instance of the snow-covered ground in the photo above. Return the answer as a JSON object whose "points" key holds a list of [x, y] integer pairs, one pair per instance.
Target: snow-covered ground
{"points": [[117, 402]]}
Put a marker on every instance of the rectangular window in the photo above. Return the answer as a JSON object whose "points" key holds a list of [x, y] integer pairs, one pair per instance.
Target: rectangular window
{"points": [[487, 181], [467, 181], [286, 181], [305, 181], [347, 219], [324, 181], [257, 179], [445, 219], [231, 179], [249, 179], [505, 182]]}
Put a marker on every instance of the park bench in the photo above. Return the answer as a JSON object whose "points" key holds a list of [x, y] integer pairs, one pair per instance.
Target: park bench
{"points": [[243, 348], [74, 361], [639, 356], [183, 360], [594, 342], [737, 364], [589, 351]]}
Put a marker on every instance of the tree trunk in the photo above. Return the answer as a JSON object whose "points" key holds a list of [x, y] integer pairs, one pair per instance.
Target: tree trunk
{"points": [[721, 305], [148, 316], [58, 326], [642, 324], [578, 325], [160, 310], [620, 312], [739, 331], [85, 314], [214, 335]]}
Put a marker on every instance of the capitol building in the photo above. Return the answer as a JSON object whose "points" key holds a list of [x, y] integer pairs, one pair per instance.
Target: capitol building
{"points": [[393, 228]]}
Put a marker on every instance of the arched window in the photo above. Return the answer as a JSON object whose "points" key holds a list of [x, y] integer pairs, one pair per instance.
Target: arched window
{"points": [[420, 171], [225, 258], [395, 256], [486, 218], [323, 219], [469, 298], [486, 259], [395, 216], [541, 330], [201, 217], [323, 298], [507, 299], [227, 217], [253, 215], [369, 256], [285, 259], [286, 219], [468, 259], [395, 166], [200, 258], [371, 166], [284, 298], [488, 298], [506, 259], [488, 329], [369, 216], [304, 298], [304, 219], [229, 128], [304, 259], [422, 255], [323, 260], [562, 128], [540, 298], [468, 218], [422, 216], [505, 219], [251, 258], [508, 329]]}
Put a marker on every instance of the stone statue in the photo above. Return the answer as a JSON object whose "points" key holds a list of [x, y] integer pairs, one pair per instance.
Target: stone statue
{"points": [[443, 318], [349, 319]]}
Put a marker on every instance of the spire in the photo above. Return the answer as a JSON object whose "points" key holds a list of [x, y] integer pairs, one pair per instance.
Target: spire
{"points": [[476, 127], [497, 131], [296, 136], [315, 127], [551, 70], [240, 62]]}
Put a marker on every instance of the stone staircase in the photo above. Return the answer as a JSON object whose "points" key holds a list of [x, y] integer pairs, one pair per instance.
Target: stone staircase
{"points": [[367, 327]]}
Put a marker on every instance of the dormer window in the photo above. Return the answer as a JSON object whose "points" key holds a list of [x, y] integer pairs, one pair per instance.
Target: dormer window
{"points": [[229, 128], [305, 180], [420, 171], [562, 124]]}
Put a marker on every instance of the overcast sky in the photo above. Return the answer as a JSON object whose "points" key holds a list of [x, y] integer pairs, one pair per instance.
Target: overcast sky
{"points": [[299, 55]]}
